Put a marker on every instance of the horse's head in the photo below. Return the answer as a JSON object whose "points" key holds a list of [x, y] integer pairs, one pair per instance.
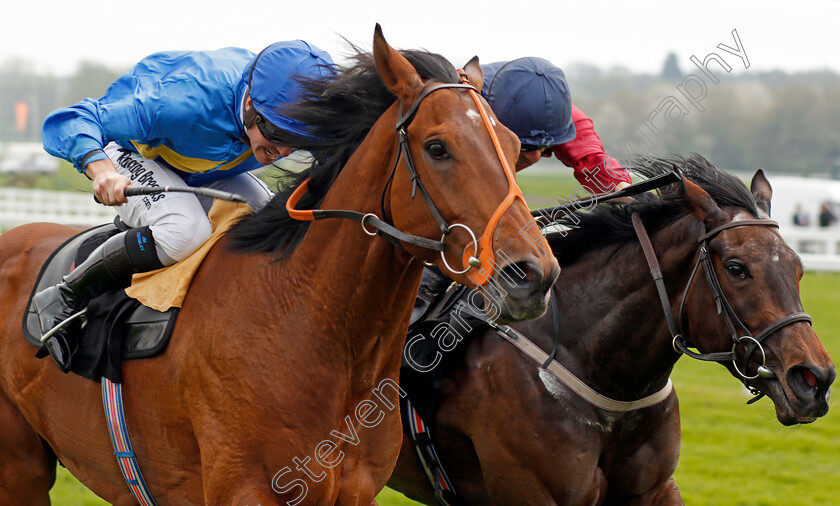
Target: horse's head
{"points": [[749, 303], [453, 182]]}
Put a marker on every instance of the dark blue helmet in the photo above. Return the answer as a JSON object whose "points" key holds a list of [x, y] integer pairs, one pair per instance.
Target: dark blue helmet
{"points": [[272, 78], [531, 97]]}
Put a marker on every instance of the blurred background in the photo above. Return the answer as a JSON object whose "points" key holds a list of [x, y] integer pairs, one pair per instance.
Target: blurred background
{"points": [[746, 84]]}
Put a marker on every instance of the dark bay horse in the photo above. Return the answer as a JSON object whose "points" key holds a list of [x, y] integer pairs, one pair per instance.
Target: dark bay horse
{"points": [[509, 432], [279, 382]]}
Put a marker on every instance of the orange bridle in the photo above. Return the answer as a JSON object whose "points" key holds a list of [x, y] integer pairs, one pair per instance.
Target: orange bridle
{"points": [[483, 255]]}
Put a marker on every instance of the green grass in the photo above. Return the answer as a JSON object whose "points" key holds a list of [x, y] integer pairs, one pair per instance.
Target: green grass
{"points": [[546, 190], [732, 454], [69, 492]]}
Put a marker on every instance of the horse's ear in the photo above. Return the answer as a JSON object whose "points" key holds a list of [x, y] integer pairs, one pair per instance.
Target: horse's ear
{"points": [[762, 191], [396, 72], [474, 73], [702, 205]]}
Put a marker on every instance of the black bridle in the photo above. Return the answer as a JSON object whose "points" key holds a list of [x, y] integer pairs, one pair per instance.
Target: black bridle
{"points": [[402, 142], [724, 308], [403, 151]]}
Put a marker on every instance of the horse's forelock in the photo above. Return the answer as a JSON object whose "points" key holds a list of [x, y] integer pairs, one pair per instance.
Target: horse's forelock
{"points": [[339, 111]]}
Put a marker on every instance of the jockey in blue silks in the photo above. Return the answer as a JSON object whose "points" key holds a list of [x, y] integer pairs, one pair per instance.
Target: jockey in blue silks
{"points": [[178, 118]]}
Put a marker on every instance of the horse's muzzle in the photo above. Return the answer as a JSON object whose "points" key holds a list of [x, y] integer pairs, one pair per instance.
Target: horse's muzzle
{"points": [[811, 387], [523, 288]]}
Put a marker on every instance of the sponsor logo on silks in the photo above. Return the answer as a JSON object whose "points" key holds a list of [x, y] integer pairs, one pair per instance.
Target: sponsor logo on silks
{"points": [[141, 241], [139, 174]]}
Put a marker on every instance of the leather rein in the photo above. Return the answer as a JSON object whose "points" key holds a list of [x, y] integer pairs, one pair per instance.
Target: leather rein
{"points": [[548, 363], [723, 306]]}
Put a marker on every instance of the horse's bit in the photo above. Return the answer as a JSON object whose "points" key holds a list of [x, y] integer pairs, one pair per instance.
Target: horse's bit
{"points": [[724, 308], [483, 255]]}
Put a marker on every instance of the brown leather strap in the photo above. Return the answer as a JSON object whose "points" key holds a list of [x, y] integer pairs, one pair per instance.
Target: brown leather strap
{"points": [[656, 272], [739, 223]]}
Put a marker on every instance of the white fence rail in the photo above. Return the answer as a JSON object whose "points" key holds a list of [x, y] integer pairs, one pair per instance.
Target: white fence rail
{"points": [[19, 206], [819, 248]]}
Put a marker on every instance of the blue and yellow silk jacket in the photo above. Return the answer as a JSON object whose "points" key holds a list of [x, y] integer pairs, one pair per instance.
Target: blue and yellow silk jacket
{"points": [[180, 108]]}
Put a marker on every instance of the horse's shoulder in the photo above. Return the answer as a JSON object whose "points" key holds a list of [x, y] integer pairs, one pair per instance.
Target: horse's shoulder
{"points": [[34, 236]]}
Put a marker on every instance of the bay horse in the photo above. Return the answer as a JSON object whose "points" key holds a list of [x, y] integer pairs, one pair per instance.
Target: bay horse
{"points": [[287, 347], [508, 431]]}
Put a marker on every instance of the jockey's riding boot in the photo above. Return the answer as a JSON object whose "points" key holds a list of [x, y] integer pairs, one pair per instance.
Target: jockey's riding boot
{"points": [[433, 285], [107, 268]]}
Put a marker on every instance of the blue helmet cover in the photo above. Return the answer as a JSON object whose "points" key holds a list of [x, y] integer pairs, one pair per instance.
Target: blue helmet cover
{"points": [[531, 97], [275, 72]]}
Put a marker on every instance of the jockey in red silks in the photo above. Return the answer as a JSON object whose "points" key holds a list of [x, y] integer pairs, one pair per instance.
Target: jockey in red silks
{"points": [[531, 97]]}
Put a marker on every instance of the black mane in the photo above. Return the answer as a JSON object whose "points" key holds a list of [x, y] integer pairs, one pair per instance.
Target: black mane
{"points": [[608, 224], [338, 111]]}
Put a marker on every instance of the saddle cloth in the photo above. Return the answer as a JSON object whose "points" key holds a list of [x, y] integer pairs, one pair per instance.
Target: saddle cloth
{"points": [[119, 328], [427, 361], [124, 324], [166, 288]]}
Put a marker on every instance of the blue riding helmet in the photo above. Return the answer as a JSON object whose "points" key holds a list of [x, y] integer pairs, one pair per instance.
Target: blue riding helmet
{"points": [[273, 79], [531, 97]]}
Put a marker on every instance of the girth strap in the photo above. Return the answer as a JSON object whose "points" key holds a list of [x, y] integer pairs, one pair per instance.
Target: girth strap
{"points": [[115, 418], [421, 438]]}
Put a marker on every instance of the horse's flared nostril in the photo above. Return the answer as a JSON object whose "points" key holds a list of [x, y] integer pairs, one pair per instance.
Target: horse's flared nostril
{"points": [[521, 276], [518, 290], [810, 383]]}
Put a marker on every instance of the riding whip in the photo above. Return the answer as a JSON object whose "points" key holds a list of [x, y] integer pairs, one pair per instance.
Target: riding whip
{"points": [[633, 189], [201, 192]]}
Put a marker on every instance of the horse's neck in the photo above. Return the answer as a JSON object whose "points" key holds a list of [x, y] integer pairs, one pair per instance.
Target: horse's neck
{"points": [[614, 331], [367, 283], [347, 294]]}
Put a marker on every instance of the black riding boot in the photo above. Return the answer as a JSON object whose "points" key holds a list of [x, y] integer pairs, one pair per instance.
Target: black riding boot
{"points": [[433, 285], [107, 268]]}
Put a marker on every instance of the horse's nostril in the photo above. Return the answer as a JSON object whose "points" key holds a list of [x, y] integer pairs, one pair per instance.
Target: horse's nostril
{"points": [[809, 378], [520, 274], [529, 273]]}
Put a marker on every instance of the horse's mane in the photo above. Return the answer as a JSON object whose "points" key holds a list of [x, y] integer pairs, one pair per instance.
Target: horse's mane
{"points": [[608, 224], [338, 112]]}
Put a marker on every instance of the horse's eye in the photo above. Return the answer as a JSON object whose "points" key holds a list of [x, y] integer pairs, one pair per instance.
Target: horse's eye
{"points": [[737, 270], [437, 150]]}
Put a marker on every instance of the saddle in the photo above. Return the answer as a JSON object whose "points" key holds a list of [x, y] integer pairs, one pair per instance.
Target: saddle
{"points": [[117, 327], [444, 314]]}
